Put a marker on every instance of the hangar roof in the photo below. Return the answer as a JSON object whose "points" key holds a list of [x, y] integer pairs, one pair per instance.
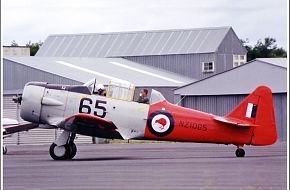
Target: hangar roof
{"points": [[104, 69], [282, 62], [138, 43], [243, 79]]}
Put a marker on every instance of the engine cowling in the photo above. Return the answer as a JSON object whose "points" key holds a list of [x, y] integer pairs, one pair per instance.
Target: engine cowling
{"points": [[31, 101]]}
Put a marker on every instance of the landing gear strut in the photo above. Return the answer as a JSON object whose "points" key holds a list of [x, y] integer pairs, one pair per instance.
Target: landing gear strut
{"points": [[4, 149], [240, 152], [64, 147]]}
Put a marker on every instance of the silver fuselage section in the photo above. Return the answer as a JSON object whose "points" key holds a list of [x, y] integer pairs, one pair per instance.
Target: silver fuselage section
{"points": [[47, 104]]}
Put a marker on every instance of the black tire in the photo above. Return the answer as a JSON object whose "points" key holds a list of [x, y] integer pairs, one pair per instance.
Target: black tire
{"points": [[73, 150], [4, 149], [62, 155], [240, 152]]}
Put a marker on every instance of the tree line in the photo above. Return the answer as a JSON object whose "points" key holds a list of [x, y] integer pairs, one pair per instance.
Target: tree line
{"points": [[34, 47], [266, 48]]}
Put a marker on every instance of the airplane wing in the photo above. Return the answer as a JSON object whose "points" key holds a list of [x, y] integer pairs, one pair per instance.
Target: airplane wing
{"points": [[90, 125], [10, 129], [233, 122]]}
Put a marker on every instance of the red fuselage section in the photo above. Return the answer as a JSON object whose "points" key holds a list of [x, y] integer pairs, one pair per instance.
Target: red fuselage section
{"points": [[194, 126]]}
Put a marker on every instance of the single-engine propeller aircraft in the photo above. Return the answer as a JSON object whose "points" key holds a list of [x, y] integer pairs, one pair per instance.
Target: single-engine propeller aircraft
{"points": [[79, 110]]}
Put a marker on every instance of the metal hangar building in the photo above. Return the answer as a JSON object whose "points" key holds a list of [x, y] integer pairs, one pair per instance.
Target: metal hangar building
{"points": [[219, 94], [195, 53]]}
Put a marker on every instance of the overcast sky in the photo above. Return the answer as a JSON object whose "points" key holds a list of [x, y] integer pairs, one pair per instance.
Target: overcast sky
{"points": [[24, 20]]}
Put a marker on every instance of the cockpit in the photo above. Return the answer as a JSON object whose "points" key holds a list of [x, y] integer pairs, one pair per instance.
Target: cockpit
{"points": [[122, 90]]}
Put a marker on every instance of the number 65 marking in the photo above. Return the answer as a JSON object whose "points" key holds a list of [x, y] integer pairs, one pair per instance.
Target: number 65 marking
{"points": [[85, 107]]}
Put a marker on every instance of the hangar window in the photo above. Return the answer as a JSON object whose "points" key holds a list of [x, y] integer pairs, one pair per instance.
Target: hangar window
{"points": [[239, 60], [208, 67], [236, 64]]}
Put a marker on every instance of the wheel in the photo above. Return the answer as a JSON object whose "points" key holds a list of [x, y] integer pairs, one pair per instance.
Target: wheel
{"points": [[59, 152], [4, 149], [240, 152], [73, 150]]}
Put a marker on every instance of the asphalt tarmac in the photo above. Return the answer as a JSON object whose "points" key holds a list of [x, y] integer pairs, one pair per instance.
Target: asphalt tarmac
{"points": [[147, 166]]}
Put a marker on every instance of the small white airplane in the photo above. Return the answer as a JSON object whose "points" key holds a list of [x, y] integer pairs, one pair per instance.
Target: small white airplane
{"points": [[11, 126]]}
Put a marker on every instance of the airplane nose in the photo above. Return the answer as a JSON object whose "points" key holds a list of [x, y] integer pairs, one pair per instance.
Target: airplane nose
{"points": [[30, 109]]}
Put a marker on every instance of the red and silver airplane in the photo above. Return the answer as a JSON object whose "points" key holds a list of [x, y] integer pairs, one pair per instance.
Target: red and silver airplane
{"points": [[78, 110]]}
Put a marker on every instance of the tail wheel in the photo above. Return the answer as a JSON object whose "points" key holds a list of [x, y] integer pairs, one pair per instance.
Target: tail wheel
{"points": [[240, 152], [59, 152], [73, 150]]}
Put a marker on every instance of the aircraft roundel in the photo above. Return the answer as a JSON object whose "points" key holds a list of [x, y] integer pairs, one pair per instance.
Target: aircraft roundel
{"points": [[160, 123]]}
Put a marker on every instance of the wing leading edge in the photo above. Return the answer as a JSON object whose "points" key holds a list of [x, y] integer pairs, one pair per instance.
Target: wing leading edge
{"points": [[11, 129]]}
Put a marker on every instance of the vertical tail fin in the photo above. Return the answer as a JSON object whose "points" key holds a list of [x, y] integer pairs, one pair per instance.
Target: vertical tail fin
{"points": [[257, 109]]}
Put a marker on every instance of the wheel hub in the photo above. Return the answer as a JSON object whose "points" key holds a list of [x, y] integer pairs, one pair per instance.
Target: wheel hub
{"points": [[59, 151]]}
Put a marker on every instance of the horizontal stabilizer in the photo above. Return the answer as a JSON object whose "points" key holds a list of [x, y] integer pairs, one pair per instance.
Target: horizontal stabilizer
{"points": [[234, 122]]}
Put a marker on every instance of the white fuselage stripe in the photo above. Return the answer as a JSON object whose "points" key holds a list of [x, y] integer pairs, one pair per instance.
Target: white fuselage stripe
{"points": [[144, 72]]}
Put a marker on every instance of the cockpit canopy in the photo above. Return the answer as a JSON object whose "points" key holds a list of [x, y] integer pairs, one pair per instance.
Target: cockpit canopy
{"points": [[123, 90], [117, 89]]}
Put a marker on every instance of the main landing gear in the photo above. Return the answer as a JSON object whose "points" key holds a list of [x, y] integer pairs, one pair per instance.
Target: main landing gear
{"points": [[240, 152], [64, 147]]}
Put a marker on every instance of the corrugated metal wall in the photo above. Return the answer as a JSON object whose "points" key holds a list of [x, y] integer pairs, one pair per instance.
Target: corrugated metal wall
{"points": [[11, 110], [221, 105], [190, 65], [231, 44], [17, 75], [280, 104]]}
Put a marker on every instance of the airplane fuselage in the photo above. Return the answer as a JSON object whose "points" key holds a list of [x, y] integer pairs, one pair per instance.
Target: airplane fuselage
{"points": [[158, 121]]}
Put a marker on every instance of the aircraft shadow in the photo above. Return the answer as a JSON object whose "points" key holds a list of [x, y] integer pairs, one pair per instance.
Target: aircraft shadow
{"points": [[101, 159]]}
